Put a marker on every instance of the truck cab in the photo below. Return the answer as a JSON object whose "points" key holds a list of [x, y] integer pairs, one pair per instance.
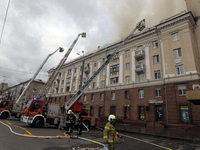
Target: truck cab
{"points": [[4, 109], [33, 113]]}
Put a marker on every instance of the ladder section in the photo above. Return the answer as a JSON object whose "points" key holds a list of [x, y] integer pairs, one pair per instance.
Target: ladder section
{"points": [[140, 26], [51, 79]]}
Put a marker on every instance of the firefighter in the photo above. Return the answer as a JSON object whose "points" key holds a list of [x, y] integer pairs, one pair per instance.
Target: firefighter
{"points": [[79, 123], [110, 132], [70, 120]]}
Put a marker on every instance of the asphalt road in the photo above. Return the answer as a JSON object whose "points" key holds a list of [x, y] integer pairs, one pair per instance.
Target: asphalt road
{"points": [[15, 135]]}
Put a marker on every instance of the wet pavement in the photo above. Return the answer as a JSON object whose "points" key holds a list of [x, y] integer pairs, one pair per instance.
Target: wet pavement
{"points": [[189, 133]]}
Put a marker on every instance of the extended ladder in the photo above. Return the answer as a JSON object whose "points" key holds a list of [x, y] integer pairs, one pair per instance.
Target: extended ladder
{"points": [[51, 79], [140, 26]]}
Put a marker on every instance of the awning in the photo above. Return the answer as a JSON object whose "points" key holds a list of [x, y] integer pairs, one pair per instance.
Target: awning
{"points": [[193, 96]]}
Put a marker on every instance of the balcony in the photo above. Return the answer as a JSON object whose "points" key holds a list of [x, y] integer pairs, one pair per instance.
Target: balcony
{"points": [[139, 55], [140, 68], [87, 69]]}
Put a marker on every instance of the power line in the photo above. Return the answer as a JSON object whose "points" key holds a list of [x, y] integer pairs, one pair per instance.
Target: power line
{"points": [[4, 21]]}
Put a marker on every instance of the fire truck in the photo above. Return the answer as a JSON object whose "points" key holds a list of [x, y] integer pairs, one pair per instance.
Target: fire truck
{"points": [[8, 109], [4, 109], [37, 113]]}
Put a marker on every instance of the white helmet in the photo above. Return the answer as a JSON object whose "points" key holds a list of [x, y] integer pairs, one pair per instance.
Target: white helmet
{"points": [[69, 111], [111, 117]]}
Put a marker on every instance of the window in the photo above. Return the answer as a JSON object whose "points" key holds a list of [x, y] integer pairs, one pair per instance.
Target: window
{"points": [[158, 92], [114, 68], [94, 85], [67, 89], [141, 113], [100, 111], [91, 111], [103, 84], [74, 79], [155, 59], [141, 93], [95, 64], [92, 97], [127, 66], [181, 90], [127, 95], [103, 72], [177, 53], [114, 80], [112, 110], [75, 70], [175, 36], [68, 80], [184, 113], [179, 70], [101, 96], [157, 74], [141, 78], [155, 44], [59, 99], [69, 71], [127, 112], [113, 95], [127, 53], [85, 97], [127, 79]]}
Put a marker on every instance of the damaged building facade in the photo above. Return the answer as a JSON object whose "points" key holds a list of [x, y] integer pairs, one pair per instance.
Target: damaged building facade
{"points": [[151, 79]]}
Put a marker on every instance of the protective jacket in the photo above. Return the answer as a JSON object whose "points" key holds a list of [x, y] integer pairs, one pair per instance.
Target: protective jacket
{"points": [[109, 133]]}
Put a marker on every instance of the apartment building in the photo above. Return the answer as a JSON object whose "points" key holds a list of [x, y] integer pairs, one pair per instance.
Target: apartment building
{"points": [[146, 82], [13, 93]]}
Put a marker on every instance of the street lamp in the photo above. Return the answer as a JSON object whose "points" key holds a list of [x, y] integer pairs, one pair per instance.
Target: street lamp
{"points": [[60, 50], [82, 69]]}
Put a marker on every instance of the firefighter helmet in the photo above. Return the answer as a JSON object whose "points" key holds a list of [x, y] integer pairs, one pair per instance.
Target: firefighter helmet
{"points": [[111, 117], [69, 111]]}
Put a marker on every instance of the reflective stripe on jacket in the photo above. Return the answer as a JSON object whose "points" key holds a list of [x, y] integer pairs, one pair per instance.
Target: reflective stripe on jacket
{"points": [[109, 132]]}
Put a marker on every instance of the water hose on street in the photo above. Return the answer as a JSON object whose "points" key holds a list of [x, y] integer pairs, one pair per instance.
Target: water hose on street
{"points": [[31, 135]]}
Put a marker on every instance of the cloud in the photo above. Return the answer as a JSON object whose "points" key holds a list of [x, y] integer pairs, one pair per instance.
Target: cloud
{"points": [[36, 28]]}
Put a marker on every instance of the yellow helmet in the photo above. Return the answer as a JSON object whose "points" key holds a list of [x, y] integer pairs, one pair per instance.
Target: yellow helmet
{"points": [[69, 111], [111, 117]]}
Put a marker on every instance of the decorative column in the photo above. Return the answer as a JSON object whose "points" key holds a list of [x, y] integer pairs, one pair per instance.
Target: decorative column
{"points": [[133, 49], [98, 77], [64, 88], [77, 78], [71, 82], [148, 71], [91, 66], [121, 55], [60, 83], [163, 58], [107, 74]]}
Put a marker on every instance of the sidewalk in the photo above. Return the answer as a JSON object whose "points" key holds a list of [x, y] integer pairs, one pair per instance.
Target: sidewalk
{"points": [[183, 133]]}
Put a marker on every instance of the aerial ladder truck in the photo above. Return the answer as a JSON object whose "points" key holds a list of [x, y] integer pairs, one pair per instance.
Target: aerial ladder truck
{"points": [[9, 108], [38, 110], [73, 104]]}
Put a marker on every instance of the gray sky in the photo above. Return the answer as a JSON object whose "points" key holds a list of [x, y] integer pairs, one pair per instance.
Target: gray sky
{"points": [[36, 28]]}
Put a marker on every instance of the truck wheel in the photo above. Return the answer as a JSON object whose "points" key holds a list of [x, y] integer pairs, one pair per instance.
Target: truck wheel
{"points": [[5, 115], [87, 124], [38, 122]]}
